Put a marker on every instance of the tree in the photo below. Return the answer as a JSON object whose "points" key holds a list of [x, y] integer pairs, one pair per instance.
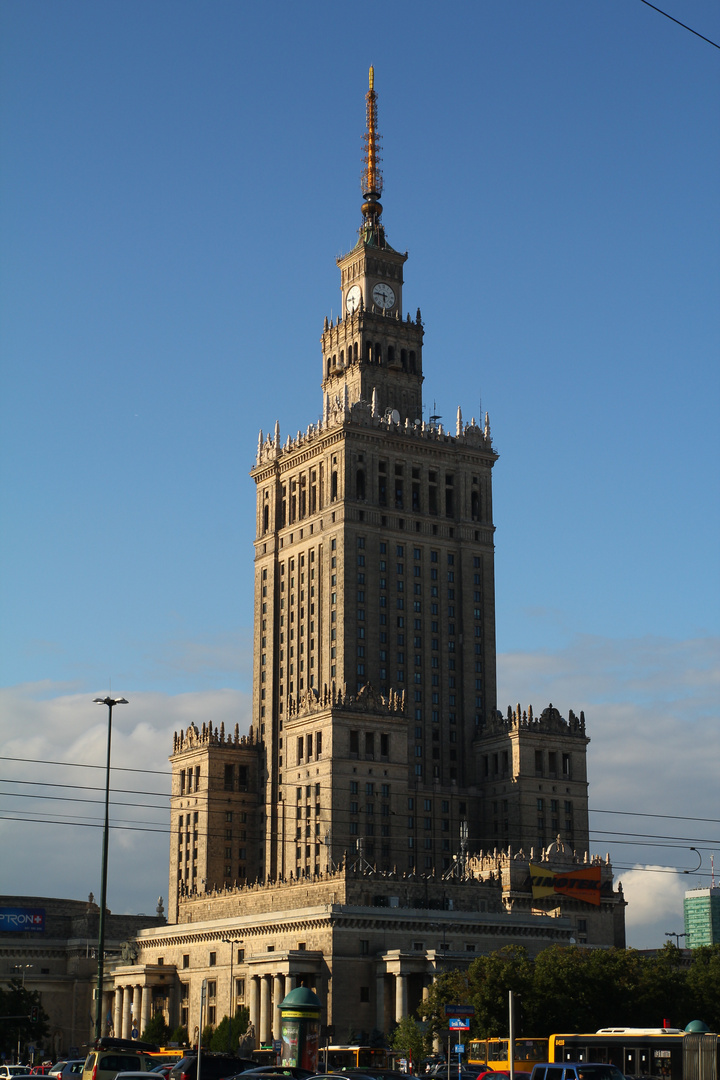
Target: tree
{"points": [[703, 982], [180, 1036], [449, 988], [490, 978], [157, 1031], [18, 1005], [226, 1036], [409, 1038]]}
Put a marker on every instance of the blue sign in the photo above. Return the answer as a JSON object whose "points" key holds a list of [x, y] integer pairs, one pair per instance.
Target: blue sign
{"points": [[458, 1023], [14, 919], [459, 1048]]}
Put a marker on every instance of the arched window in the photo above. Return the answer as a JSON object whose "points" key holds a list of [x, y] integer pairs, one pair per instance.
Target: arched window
{"points": [[342, 358], [360, 484], [334, 486], [391, 354], [412, 361], [266, 518], [355, 347], [475, 506], [403, 359]]}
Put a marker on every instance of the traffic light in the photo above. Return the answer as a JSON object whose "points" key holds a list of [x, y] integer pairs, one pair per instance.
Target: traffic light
{"points": [[34, 1014]]}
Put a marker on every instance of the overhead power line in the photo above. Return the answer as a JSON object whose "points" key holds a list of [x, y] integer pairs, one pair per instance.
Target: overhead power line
{"points": [[167, 773], [684, 25], [132, 828]]}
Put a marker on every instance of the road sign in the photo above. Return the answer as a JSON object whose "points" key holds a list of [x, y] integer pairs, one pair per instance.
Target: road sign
{"points": [[459, 1048], [458, 1023], [459, 1010]]}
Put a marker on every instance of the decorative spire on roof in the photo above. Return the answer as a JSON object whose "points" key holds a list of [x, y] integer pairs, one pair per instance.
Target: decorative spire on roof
{"points": [[372, 182]]}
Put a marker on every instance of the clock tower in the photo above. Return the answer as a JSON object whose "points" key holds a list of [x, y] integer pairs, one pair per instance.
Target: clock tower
{"points": [[370, 353]]}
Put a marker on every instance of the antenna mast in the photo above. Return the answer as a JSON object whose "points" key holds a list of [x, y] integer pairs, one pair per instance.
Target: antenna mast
{"points": [[371, 180]]}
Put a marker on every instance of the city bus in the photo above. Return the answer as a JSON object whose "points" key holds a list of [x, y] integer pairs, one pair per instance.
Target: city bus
{"points": [[665, 1053], [337, 1058], [496, 1054]]}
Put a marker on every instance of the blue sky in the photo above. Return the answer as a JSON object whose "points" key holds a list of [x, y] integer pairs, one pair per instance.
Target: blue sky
{"points": [[177, 181]]}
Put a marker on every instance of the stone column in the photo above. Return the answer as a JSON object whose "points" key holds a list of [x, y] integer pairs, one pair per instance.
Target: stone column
{"points": [[400, 997], [137, 1005], [380, 1001], [117, 1019], [145, 999], [290, 983], [126, 1012], [278, 995], [254, 1005], [265, 1009]]}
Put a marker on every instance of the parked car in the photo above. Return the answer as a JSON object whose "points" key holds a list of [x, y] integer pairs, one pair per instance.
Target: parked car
{"points": [[62, 1070], [13, 1070], [575, 1070], [213, 1066]]}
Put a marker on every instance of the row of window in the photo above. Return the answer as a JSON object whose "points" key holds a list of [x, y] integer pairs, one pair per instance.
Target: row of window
{"points": [[305, 744], [189, 779], [373, 354]]}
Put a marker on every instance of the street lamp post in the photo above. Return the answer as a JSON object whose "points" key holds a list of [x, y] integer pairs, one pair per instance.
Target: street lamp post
{"points": [[671, 933], [23, 968], [232, 943], [109, 701]]}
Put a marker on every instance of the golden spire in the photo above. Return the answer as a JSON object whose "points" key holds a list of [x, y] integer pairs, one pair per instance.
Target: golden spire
{"points": [[372, 174]]}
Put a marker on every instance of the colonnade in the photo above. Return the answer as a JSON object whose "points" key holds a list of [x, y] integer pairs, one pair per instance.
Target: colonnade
{"points": [[126, 1008]]}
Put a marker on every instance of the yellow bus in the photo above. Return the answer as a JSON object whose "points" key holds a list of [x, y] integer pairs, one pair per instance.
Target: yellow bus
{"points": [[663, 1053], [495, 1053], [337, 1058]]}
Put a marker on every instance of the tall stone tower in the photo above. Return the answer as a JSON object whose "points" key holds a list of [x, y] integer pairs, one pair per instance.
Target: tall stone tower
{"points": [[374, 592], [375, 736]]}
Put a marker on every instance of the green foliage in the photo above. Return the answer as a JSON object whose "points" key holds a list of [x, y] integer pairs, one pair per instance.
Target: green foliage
{"points": [[450, 987], [408, 1036], [207, 1036], [16, 1004], [569, 988], [157, 1031], [703, 981], [180, 1036], [226, 1035], [490, 978]]}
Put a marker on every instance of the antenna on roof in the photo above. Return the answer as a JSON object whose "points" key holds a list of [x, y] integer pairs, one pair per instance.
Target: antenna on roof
{"points": [[436, 415]]}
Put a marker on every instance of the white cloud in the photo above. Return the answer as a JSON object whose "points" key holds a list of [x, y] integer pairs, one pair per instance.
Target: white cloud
{"points": [[655, 905], [60, 854]]}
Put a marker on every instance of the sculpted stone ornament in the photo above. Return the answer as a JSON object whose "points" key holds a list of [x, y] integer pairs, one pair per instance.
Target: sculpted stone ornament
{"points": [[129, 953]]}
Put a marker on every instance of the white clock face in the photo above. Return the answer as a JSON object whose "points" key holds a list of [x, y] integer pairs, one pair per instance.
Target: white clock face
{"points": [[352, 300], [383, 296]]}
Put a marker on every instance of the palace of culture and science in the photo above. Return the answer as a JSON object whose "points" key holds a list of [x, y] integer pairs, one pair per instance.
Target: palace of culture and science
{"points": [[381, 822]]}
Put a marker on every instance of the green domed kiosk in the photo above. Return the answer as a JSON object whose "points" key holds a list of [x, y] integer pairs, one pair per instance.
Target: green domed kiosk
{"points": [[300, 1028]]}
